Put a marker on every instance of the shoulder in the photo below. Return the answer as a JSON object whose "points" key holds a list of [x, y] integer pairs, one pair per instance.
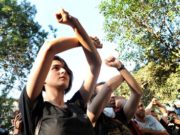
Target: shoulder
{"points": [[149, 117], [78, 101]]}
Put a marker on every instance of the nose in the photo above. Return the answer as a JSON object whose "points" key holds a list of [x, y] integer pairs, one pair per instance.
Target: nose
{"points": [[62, 70]]}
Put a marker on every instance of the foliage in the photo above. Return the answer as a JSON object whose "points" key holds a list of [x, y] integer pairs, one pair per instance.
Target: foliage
{"points": [[151, 26], [154, 82], [6, 114], [148, 32], [20, 40], [147, 77]]}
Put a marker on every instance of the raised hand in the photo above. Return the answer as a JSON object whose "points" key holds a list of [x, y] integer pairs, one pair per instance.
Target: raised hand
{"points": [[113, 62], [154, 101], [63, 17], [96, 42]]}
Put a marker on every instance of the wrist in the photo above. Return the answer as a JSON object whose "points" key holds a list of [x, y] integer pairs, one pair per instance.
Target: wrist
{"points": [[121, 67]]}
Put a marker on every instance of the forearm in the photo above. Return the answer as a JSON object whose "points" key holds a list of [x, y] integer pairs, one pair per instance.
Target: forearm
{"points": [[136, 93], [98, 103], [92, 57], [89, 48], [153, 132], [149, 108], [115, 82], [135, 88], [131, 106]]}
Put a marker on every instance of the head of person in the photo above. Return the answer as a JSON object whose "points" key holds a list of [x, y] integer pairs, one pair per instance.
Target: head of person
{"points": [[140, 112], [59, 76]]}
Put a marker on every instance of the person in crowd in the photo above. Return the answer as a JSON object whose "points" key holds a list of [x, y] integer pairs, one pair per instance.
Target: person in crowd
{"points": [[119, 111], [17, 124], [52, 115], [169, 118], [147, 123], [150, 109], [172, 122], [177, 106]]}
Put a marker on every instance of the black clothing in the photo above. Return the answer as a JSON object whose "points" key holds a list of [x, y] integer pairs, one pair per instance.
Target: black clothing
{"points": [[112, 126], [68, 120]]}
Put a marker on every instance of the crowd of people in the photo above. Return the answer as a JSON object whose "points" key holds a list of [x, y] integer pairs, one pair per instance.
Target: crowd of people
{"points": [[94, 109]]}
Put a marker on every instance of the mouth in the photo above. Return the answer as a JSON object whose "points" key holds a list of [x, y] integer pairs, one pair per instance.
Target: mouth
{"points": [[62, 77]]}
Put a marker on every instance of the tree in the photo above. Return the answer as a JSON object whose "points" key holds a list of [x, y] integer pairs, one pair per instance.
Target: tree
{"points": [[20, 39], [147, 31]]}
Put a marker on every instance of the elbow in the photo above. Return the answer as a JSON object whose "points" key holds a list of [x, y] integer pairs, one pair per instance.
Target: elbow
{"points": [[139, 92], [48, 48]]}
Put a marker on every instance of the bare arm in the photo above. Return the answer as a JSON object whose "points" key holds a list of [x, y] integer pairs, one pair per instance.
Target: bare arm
{"points": [[43, 62], [136, 92], [46, 54], [155, 102], [149, 108], [98, 103], [153, 132], [93, 60]]}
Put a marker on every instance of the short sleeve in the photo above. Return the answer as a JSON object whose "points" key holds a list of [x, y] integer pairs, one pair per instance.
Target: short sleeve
{"points": [[78, 100], [31, 112], [157, 124]]}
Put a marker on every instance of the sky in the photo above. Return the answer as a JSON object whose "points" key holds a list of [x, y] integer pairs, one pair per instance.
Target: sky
{"points": [[88, 14]]}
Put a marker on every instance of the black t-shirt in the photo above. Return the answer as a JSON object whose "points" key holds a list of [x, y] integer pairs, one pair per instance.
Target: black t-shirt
{"points": [[112, 126], [68, 120]]}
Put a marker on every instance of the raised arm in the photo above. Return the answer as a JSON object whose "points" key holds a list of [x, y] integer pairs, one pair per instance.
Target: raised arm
{"points": [[136, 92], [46, 54], [92, 57], [103, 93], [153, 132]]}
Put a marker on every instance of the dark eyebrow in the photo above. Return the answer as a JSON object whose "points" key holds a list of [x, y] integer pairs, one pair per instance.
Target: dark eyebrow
{"points": [[57, 65]]}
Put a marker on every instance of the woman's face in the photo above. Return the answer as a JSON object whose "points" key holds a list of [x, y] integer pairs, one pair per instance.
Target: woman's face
{"points": [[57, 76]]}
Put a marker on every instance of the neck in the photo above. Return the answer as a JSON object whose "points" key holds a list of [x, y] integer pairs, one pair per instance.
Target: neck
{"points": [[55, 96], [140, 119]]}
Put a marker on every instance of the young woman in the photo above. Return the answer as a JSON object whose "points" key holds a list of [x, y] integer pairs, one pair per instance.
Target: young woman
{"points": [[50, 73]]}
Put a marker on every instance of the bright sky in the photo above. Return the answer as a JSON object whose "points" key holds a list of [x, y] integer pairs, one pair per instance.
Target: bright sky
{"points": [[88, 14]]}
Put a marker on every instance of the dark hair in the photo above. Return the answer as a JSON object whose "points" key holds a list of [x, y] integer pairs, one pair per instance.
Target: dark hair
{"points": [[68, 70]]}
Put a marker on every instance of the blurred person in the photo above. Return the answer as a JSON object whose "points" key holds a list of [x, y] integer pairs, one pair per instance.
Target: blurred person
{"points": [[147, 123], [153, 106], [118, 111]]}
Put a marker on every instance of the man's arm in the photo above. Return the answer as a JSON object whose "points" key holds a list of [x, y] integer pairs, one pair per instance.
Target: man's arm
{"points": [[136, 92], [92, 57], [153, 132], [155, 102]]}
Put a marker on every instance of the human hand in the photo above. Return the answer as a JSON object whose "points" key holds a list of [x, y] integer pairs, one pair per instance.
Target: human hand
{"points": [[154, 101], [18, 121], [96, 42], [113, 62], [63, 17]]}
